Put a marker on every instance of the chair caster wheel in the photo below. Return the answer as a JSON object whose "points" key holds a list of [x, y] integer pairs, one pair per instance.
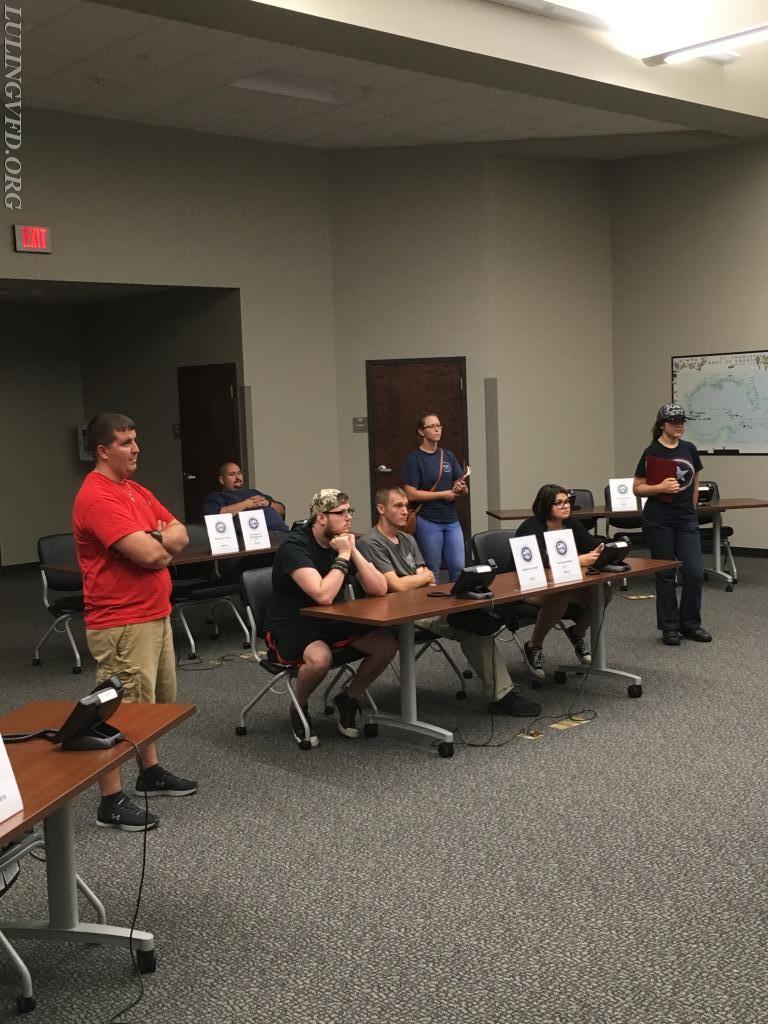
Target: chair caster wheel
{"points": [[25, 1003], [370, 730], [77, 670], [445, 749], [191, 657], [246, 645], [146, 961], [467, 673], [729, 589], [706, 576], [560, 677], [305, 745], [215, 636], [461, 695], [241, 730], [35, 661], [209, 622], [635, 690], [535, 684], [327, 710]]}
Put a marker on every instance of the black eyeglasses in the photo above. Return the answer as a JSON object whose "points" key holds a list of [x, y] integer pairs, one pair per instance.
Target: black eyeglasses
{"points": [[561, 502], [432, 426], [342, 512]]}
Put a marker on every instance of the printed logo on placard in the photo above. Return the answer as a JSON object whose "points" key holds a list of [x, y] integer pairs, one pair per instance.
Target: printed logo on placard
{"points": [[623, 489], [527, 554], [253, 522], [221, 527], [561, 547]]}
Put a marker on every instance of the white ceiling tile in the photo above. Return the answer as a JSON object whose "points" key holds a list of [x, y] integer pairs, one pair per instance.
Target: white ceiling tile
{"points": [[65, 42], [108, 23], [379, 76], [39, 64], [192, 38], [44, 10], [210, 106], [325, 65], [64, 88]]}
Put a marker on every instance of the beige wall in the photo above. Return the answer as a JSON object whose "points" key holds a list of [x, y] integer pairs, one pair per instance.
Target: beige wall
{"points": [[41, 404], [690, 245]]}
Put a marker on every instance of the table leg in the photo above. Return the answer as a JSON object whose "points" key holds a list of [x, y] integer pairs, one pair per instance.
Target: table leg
{"points": [[64, 922], [408, 719], [717, 558], [599, 667]]}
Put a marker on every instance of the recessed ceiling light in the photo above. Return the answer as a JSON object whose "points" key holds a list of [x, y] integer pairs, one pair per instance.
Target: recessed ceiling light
{"points": [[302, 87], [561, 12], [712, 48]]}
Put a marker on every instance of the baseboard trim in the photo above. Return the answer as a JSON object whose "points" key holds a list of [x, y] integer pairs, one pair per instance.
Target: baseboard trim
{"points": [[750, 552], [8, 570]]}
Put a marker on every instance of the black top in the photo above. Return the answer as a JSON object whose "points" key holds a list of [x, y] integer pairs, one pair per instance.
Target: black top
{"points": [[685, 465], [299, 550], [420, 471], [533, 526]]}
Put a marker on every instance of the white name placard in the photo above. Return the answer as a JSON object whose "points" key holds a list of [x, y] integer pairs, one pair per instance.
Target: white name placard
{"points": [[528, 562], [563, 556], [253, 525], [642, 502], [221, 533], [622, 497], [10, 797]]}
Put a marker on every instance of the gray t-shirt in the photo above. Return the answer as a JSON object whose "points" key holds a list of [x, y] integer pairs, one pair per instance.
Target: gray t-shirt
{"points": [[403, 558]]}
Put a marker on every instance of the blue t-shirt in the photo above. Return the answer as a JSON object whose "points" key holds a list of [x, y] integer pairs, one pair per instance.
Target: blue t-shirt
{"points": [[684, 465], [420, 470], [216, 501]]}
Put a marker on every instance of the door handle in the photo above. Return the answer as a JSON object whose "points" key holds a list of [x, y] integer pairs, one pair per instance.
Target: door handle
{"points": [[383, 469], [190, 476]]}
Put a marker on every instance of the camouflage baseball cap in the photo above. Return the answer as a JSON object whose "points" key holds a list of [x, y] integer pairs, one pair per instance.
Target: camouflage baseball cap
{"points": [[673, 411], [325, 500]]}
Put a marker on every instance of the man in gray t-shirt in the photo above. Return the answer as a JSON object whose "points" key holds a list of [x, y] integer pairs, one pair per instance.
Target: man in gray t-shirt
{"points": [[397, 556]]}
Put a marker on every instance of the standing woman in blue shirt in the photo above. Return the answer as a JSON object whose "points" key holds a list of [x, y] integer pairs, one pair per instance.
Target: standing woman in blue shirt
{"points": [[433, 478], [671, 526]]}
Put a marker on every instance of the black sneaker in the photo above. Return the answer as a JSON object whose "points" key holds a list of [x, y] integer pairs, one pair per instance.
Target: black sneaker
{"points": [[157, 781], [119, 812], [348, 709], [580, 646], [698, 633], [513, 703], [670, 637], [297, 726], [534, 659]]}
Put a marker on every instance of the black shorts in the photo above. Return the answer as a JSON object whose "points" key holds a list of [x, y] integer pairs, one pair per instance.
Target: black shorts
{"points": [[288, 641]]}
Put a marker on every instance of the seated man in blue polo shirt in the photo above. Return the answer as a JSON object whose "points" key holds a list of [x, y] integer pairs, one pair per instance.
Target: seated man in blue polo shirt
{"points": [[234, 498]]}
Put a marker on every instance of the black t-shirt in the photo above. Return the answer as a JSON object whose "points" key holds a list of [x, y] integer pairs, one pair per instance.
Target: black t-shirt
{"points": [[420, 471], [299, 550], [533, 526], [685, 464]]}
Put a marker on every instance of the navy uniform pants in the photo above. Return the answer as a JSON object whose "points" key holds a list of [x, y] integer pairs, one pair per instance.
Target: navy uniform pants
{"points": [[673, 535]]}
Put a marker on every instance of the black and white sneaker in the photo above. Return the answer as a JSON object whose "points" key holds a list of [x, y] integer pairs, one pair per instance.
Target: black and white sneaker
{"points": [[118, 811], [297, 727], [513, 703], [348, 709], [580, 646], [534, 659], [156, 781]]}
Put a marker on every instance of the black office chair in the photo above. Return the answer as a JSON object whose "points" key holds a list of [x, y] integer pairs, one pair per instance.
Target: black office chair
{"points": [[494, 544], [257, 591], [707, 533], [57, 549], [583, 501], [204, 584]]}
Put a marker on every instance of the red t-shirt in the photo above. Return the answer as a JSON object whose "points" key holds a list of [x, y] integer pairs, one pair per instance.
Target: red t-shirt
{"points": [[117, 591]]}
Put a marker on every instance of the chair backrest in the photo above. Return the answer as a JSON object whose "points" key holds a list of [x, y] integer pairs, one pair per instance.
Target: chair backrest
{"points": [[298, 523], [257, 590], [59, 549], [583, 501], [622, 523], [198, 535], [705, 518], [494, 544]]}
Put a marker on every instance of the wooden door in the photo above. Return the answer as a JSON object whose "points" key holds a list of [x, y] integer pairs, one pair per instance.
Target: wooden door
{"points": [[210, 432], [399, 390]]}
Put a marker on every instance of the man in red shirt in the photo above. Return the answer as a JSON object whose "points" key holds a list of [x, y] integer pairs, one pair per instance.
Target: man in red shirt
{"points": [[125, 539]]}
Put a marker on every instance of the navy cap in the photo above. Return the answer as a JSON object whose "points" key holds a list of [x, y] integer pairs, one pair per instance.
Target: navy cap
{"points": [[673, 411]]}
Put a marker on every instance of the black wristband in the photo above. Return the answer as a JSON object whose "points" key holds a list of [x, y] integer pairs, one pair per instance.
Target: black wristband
{"points": [[342, 564]]}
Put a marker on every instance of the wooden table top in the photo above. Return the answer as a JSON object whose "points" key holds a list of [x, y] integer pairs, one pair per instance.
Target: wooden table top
{"points": [[603, 512], [394, 609], [48, 776]]}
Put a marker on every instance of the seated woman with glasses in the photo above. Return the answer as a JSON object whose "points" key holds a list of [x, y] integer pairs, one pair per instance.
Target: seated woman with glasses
{"points": [[552, 511]]}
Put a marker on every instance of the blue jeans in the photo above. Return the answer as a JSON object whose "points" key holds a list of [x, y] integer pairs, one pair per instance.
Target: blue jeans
{"points": [[441, 542], [677, 539]]}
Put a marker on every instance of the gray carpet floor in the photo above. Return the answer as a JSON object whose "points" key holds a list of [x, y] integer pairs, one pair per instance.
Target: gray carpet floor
{"points": [[611, 873]]}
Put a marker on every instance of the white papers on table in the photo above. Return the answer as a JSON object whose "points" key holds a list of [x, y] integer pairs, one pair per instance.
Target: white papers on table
{"points": [[622, 497], [10, 797], [253, 525], [528, 562], [221, 533], [563, 556]]}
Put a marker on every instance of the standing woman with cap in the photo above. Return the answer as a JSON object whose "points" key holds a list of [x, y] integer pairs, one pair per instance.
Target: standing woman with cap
{"points": [[671, 524]]}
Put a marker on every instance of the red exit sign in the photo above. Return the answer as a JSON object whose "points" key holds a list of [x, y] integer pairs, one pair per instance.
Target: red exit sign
{"points": [[33, 238]]}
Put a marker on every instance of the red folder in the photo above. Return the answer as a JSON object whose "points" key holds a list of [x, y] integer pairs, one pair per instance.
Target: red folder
{"points": [[658, 470]]}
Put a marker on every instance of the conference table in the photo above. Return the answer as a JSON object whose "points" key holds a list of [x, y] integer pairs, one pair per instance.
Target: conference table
{"points": [[49, 778], [713, 508], [402, 610]]}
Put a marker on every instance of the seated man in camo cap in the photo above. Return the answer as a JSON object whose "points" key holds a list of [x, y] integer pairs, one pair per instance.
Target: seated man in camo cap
{"points": [[313, 566]]}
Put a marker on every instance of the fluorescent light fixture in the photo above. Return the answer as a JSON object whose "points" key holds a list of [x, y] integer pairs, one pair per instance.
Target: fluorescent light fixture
{"points": [[302, 87], [561, 12], [712, 48]]}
